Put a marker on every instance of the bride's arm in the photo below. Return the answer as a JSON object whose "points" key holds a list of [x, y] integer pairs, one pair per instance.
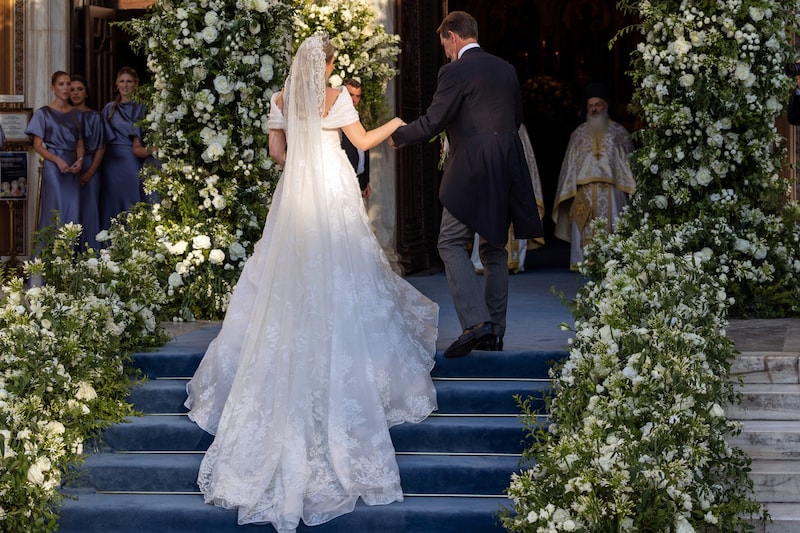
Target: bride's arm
{"points": [[277, 134], [365, 140], [277, 146]]}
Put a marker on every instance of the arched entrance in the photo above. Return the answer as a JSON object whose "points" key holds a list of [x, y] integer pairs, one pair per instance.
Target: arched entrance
{"points": [[557, 46]]}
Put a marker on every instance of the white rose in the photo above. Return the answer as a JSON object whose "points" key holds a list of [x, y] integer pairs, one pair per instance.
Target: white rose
{"points": [[335, 81], [741, 245], [211, 18], [266, 72], [201, 242], [717, 411], [236, 251], [703, 176], [175, 280], [206, 135], [102, 236], [687, 80], [216, 256], [182, 268], [219, 202], [199, 73], [179, 248], [660, 201], [209, 34], [213, 152], [222, 85], [742, 71], [681, 46], [756, 13]]}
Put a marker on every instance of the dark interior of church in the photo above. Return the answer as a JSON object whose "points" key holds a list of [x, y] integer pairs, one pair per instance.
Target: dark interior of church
{"points": [[557, 47]]}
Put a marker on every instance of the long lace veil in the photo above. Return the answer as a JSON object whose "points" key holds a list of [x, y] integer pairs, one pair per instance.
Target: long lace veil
{"points": [[304, 101]]}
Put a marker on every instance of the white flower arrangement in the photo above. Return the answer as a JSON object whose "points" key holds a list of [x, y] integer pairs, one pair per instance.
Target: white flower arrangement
{"points": [[364, 51], [636, 434], [64, 371], [215, 64]]}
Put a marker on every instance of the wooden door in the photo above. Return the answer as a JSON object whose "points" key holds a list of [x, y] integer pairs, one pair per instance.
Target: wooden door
{"points": [[418, 207], [94, 52]]}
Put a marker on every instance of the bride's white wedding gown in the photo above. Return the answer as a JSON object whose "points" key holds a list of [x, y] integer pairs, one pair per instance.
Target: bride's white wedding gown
{"points": [[322, 350]]}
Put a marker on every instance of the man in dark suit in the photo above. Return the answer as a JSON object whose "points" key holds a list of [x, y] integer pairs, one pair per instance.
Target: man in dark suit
{"points": [[793, 111], [358, 158], [485, 185]]}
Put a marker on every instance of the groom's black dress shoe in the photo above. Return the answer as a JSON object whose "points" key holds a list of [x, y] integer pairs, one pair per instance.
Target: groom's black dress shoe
{"points": [[493, 344], [469, 339]]}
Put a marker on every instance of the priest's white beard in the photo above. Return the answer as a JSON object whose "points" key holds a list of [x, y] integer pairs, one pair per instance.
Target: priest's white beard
{"points": [[598, 123], [598, 126]]}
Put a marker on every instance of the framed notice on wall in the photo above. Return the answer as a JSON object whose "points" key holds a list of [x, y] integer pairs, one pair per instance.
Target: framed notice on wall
{"points": [[14, 175], [14, 122]]}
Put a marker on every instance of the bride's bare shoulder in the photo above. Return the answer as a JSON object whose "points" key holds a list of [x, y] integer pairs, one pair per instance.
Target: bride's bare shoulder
{"points": [[279, 100], [331, 95]]}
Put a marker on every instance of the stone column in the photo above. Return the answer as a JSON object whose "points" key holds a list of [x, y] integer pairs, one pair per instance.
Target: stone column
{"points": [[383, 165]]}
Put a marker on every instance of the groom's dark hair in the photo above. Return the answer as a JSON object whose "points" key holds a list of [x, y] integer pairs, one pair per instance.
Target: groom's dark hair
{"points": [[461, 23]]}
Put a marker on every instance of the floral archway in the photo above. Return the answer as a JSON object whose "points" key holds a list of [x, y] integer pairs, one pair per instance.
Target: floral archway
{"points": [[636, 439]]}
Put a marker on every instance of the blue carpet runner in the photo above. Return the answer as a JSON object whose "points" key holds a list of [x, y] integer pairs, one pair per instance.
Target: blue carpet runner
{"points": [[454, 466]]}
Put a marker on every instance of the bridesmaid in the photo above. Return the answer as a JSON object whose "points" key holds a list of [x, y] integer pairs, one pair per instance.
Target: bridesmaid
{"points": [[94, 148], [57, 137], [121, 187]]}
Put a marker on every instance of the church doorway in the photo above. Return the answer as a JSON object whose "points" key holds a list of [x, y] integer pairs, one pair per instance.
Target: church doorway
{"points": [[557, 46], [100, 49]]}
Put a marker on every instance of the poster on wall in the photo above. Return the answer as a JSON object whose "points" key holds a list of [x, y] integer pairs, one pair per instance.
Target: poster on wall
{"points": [[13, 175], [14, 122]]}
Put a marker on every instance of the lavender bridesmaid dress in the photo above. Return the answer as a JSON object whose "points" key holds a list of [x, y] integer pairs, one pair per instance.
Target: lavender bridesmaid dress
{"points": [[94, 138], [58, 191], [121, 186]]}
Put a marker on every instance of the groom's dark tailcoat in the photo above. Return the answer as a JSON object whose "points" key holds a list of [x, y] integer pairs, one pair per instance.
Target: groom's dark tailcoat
{"points": [[486, 183]]}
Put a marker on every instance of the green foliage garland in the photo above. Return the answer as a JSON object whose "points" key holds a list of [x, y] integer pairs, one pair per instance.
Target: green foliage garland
{"points": [[215, 65], [637, 435]]}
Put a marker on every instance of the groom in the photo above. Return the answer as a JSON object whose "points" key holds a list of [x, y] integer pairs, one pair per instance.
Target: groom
{"points": [[485, 184]]}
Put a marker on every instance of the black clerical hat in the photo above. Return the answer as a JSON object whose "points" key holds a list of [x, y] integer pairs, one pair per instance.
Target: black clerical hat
{"points": [[596, 89]]}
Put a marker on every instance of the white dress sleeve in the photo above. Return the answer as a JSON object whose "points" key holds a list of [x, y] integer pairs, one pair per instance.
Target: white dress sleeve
{"points": [[341, 113], [276, 120]]}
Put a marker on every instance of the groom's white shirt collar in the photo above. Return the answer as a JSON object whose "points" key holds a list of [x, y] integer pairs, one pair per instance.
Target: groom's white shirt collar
{"points": [[467, 47]]}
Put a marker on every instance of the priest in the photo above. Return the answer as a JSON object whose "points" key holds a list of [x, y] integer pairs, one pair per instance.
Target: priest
{"points": [[596, 177]]}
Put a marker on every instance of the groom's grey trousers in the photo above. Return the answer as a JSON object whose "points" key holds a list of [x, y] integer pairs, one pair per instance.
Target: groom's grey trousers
{"points": [[475, 302]]}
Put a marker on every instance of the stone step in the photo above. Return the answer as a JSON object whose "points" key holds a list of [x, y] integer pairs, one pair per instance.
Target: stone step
{"points": [[785, 519], [767, 401], [485, 474], [776, 481], [769, 439], [768, 367], [185, 513]]}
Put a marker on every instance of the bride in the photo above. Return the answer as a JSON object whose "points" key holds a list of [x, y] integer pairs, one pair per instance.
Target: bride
{"points": [[323, 347]]}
